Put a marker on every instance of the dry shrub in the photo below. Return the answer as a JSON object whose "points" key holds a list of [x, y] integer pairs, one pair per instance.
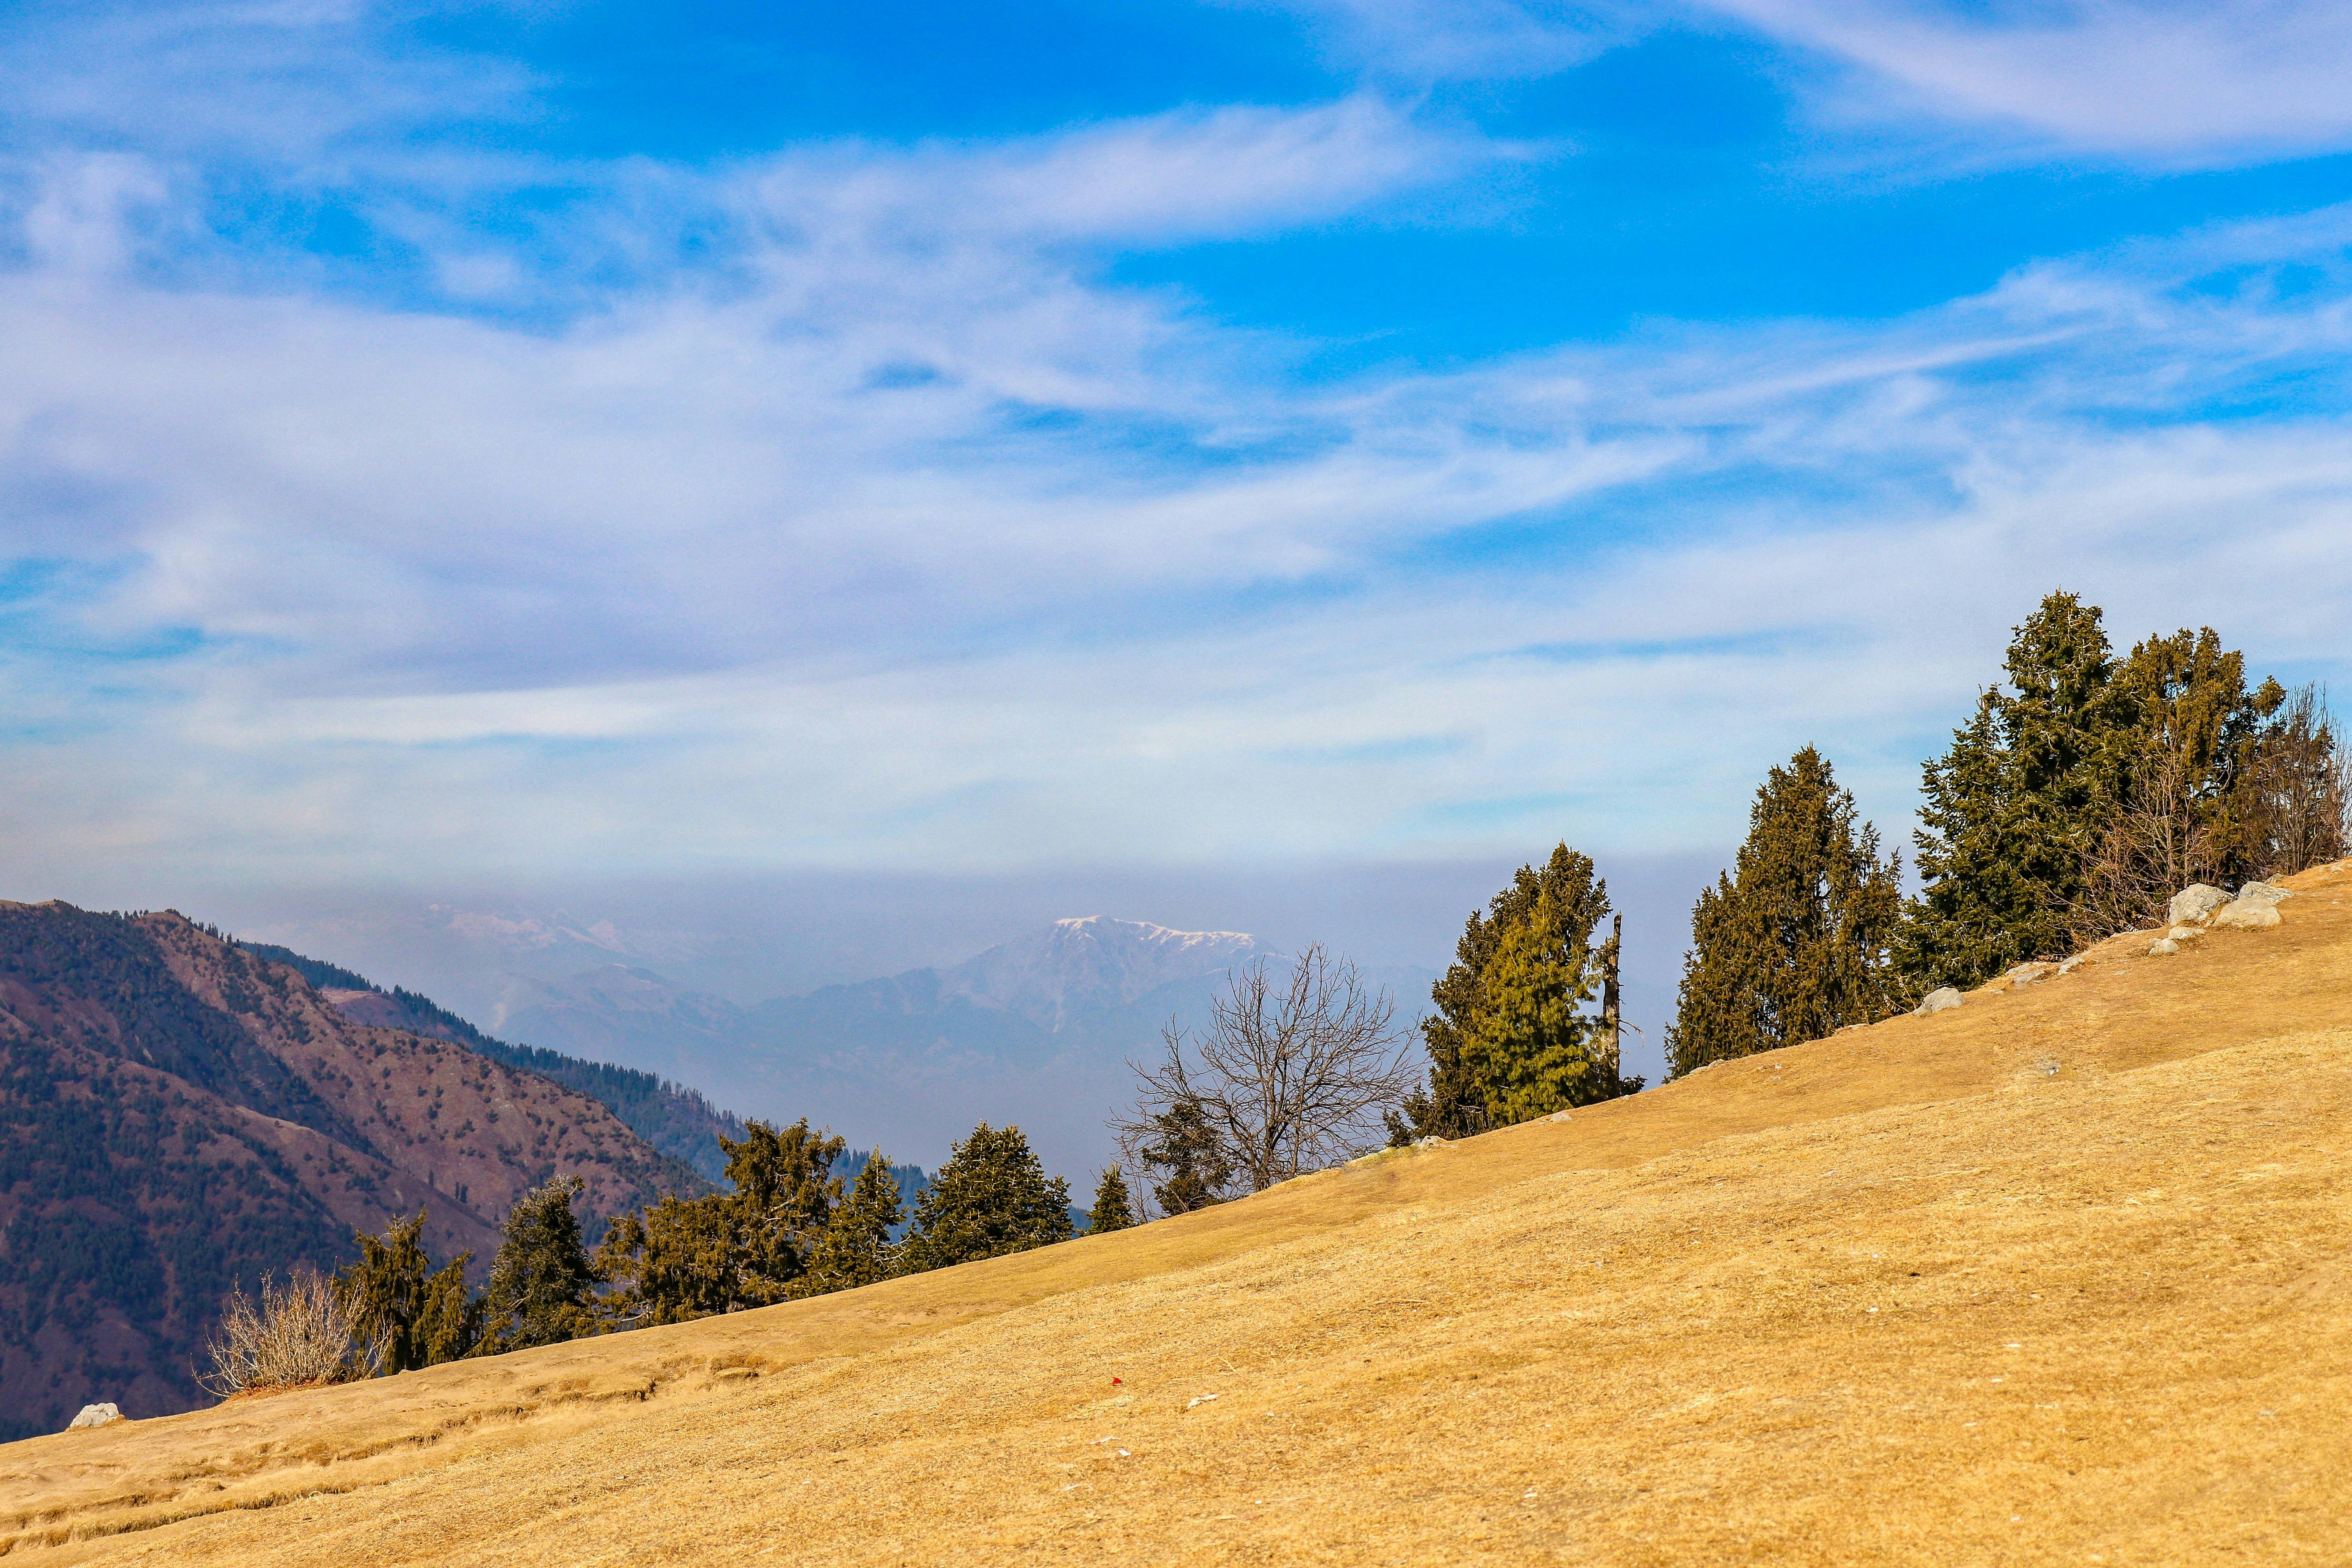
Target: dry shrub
{"points": [[293, 1335]]}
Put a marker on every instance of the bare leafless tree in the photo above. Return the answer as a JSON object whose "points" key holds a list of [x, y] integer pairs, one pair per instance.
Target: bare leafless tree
{"points": [[2295, 814], [1291, 1075], [2154, 846], [2284, 813]]}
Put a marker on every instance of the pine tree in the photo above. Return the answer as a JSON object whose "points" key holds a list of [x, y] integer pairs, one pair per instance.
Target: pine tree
{"points": [[1794, 943], [856, 1248], [1111, 1211], [682, 1259], [784, 1199], [989, 1199], [410, 1315], [541, 1288], [1506, 1041], [449, 1315], [688, 1257], [2015, 808], [1194, 1154]]}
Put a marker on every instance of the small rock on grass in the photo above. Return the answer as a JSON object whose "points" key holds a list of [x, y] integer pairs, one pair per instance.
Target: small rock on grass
{"points": [[2161, 946], [95, 1416], [1937, 1001]]}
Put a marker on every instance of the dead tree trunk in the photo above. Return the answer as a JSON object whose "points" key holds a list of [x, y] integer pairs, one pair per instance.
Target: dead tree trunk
{"points": [[1609, 1019]]}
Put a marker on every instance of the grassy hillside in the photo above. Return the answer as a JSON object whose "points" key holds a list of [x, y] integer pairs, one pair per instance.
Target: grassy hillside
{"points": [[2056, 1276]]}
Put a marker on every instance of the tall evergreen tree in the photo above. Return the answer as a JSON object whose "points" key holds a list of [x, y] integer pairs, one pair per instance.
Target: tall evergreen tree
{"points": [[2015, 807], [784, 1199], [449, 1316], [2087, 791], [991, 1198], [1506, 1041], [1794, 943], [1197, 1161], [685, 1258], [681, 1259], [856, 1248], [542, 1288], [408, 1312], [1111, 1211]]}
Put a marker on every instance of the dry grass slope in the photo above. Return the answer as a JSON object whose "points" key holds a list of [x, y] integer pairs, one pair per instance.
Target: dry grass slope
{"points": [[2057, 1277]]}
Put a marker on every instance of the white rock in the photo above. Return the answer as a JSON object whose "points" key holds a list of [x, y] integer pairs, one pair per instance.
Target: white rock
{"points": [[2161, 946], [2195, 901], [2247, 916], [95, 1416], [2265, 893], [2027, 973], [2184, 934], [1937, 1001], [1430, 1142]]}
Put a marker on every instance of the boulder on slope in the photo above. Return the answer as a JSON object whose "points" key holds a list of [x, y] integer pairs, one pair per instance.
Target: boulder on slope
{"points": [[2248, 914], [2195, 901]]}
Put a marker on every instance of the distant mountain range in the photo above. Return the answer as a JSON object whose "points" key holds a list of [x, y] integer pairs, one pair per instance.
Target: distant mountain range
{"points": [[178, 1115], [1036, 1032]]}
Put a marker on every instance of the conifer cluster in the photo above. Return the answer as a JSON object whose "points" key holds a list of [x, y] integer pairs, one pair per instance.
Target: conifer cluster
{"points": [[785, 1231], [2082, 792]]}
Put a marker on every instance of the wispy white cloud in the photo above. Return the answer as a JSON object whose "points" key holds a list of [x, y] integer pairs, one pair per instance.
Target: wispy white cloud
{"points": [[1436, 40], [2170, 81], [713, 575], [834, 508], [2156, 79]]}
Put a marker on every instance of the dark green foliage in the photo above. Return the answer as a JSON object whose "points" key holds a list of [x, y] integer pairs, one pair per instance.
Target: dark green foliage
{"points": [[2086, 791], [685, 1258], [2016, 806], [1794, 943], [404, 1311], [856, 1248], [991, 1198], [449, 1315], [1112, 1211], [676, 1261], [542, 1288], [1191, 1158], [1507, 1041], [783, 1198], [2189, 801], [322, 975]]}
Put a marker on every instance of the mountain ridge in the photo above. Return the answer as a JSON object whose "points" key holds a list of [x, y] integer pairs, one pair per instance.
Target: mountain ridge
{"points": [[178, 1115], [1036, 1031]]}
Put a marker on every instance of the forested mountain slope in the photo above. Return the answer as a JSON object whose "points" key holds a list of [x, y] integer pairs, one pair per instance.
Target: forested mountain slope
{"points": [[672, 1117], [2054, 1277], [178, 1115]]}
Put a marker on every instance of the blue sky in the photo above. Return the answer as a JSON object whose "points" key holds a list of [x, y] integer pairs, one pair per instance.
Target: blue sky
{"points": [[537, 440]]}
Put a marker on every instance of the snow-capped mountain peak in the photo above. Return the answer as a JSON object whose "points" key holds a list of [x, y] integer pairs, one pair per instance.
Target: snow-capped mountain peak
{"points": [[1092, 962]]}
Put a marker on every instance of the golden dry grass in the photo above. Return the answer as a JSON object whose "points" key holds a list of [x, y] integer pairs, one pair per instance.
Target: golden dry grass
{"points": [[2058, 1276]]}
